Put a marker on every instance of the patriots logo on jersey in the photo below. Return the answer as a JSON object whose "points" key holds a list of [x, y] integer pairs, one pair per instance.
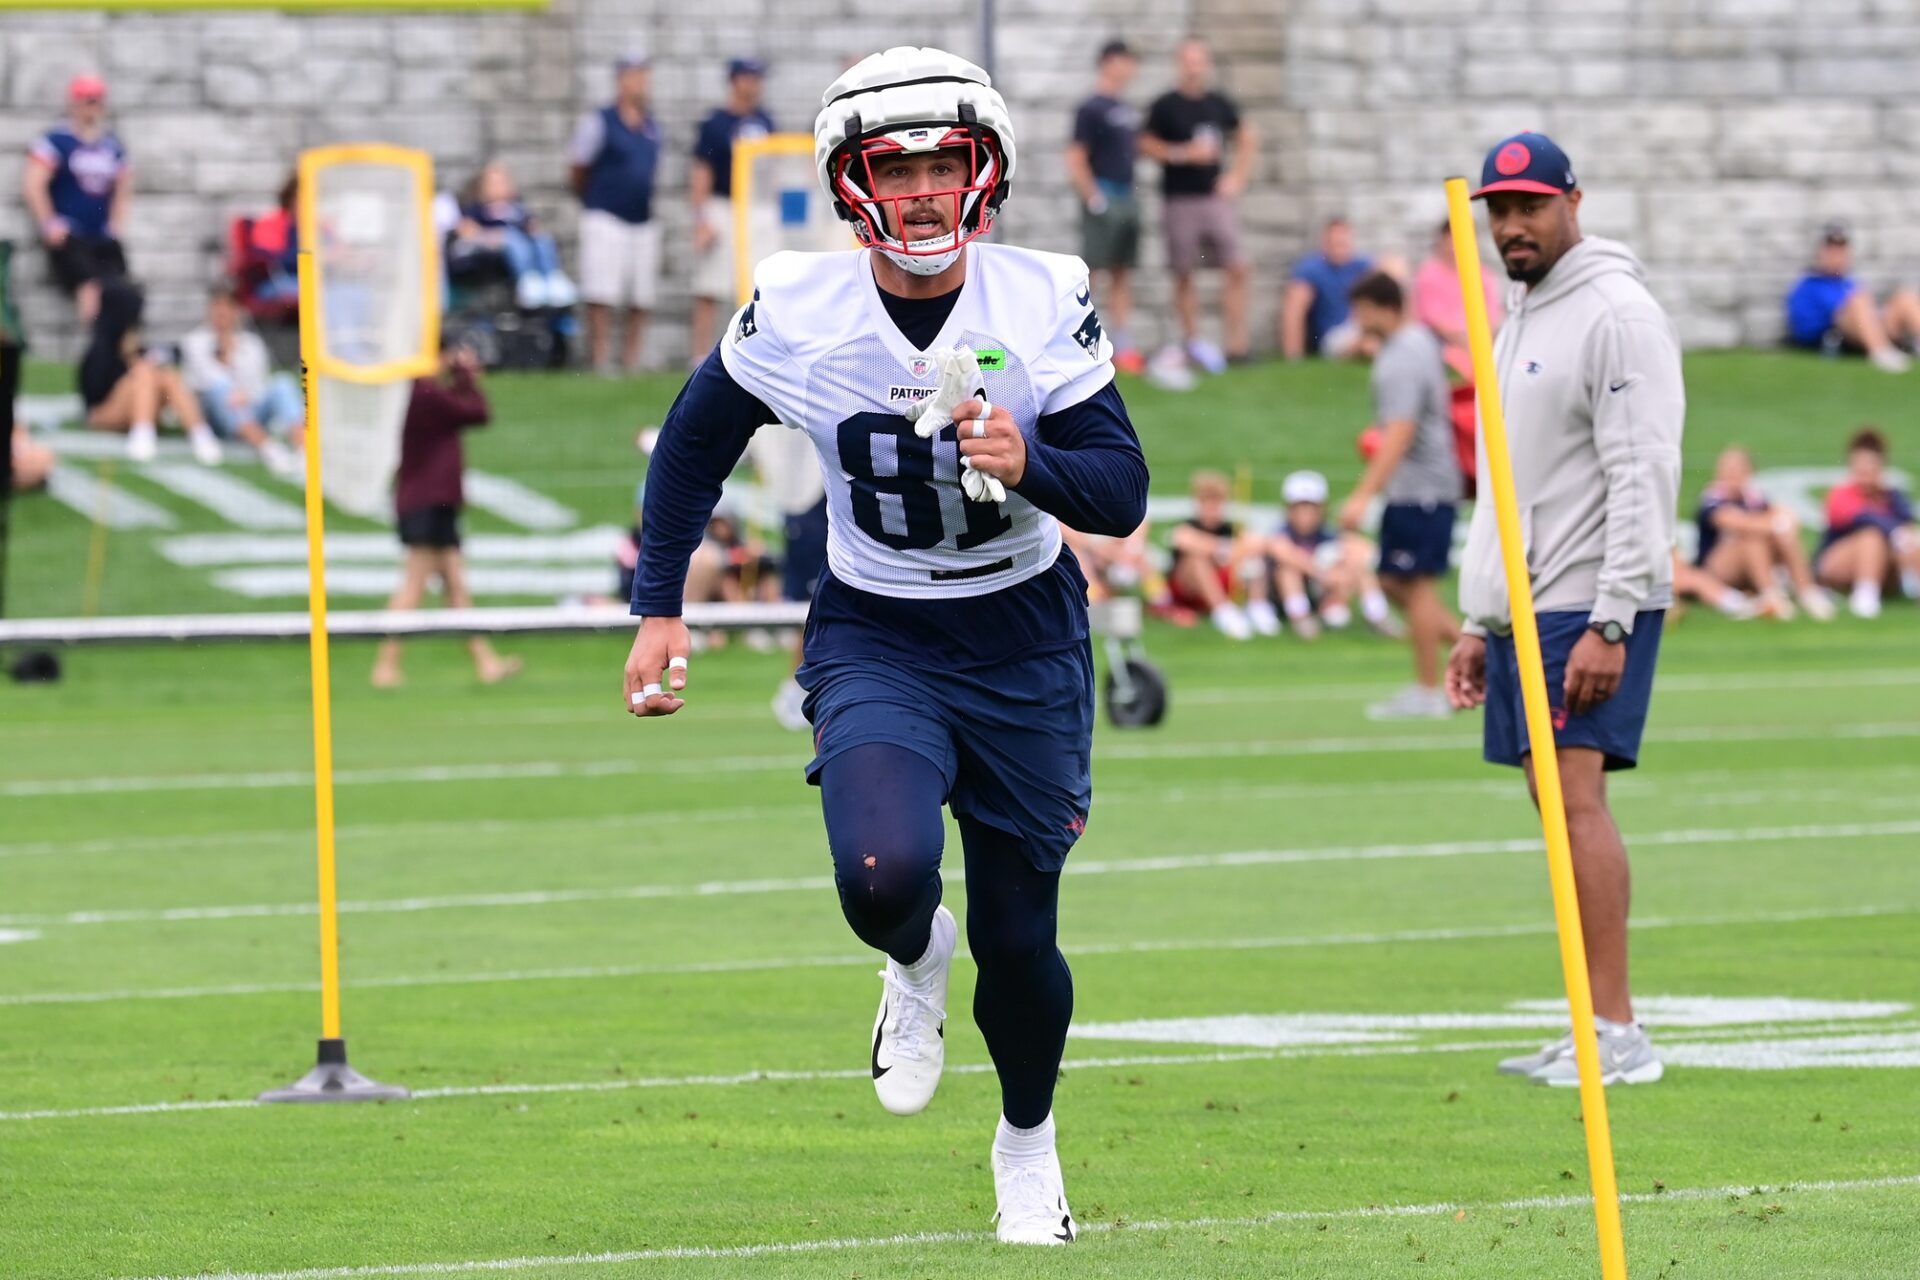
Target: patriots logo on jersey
{"points": [[748, 326], [1088, 334]]}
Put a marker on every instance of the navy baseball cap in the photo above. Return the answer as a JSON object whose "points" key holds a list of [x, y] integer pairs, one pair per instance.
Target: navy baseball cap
{"points": [[1527, 162], [745, 67]]}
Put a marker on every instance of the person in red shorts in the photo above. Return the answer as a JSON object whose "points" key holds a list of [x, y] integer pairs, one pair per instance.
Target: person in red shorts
{"points": [[427, 500], [1870, 545], [1212, 556]]}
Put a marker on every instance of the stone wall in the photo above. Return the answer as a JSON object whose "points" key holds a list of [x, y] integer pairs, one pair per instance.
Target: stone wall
{"points": [[1712, 135]]}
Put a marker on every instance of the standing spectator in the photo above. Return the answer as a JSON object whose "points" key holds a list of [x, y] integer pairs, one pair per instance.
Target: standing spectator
{"points": [[78, 185], [1829, 311], [1596, 460], [1189, 130], [614, 154], [1415, 467], [427, 499], [125, 385], [1314, 308], [1439, 305], [1870, 545], [1106, 136], [1747, 540], [711, 180], [493, 218], [228, 369], [1212, 556]]}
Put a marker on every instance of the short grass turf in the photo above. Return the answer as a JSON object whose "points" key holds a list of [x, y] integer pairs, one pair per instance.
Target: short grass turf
{"points": [[613, 943]]}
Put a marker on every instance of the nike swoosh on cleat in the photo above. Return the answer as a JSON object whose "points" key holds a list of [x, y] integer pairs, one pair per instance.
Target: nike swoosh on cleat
{"points": [[879, 1070], [1066, 1228]]}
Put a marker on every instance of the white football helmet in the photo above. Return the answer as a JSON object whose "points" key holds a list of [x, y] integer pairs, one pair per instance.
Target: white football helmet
{"points": [[914, 101]]}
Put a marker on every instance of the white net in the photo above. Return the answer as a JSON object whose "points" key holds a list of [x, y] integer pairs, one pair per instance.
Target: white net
{"points": [[778, 191], [377, 312]]}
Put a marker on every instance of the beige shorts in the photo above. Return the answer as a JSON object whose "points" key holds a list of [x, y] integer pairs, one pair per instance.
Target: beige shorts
{"points": [[1202, 231], [619, 261], [713, 270]]}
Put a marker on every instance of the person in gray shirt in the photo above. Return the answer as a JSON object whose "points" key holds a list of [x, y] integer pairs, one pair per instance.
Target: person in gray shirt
{"points": [[1414, 466]]}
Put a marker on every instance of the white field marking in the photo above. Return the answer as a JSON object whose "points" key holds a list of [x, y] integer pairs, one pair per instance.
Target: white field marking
{"points": [[94, 499], [1880, 1049], [1702, 682], [621, 1084], [18, 935], [517, 504], [1074, 949], [1271, 1218], [1279, 1030], [226, 495], [593, 546], [1194, 750], [1084, 867], [376, 580]]}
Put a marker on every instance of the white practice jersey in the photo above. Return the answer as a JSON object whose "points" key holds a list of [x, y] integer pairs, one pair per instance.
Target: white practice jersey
{"points": [[817, 346]]}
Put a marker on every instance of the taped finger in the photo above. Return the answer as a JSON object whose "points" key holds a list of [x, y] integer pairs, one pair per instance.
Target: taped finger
{"points": [[677, 672]]}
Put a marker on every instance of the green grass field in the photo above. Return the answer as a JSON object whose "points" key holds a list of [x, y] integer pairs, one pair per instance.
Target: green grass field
{"points": [[607, 956]]}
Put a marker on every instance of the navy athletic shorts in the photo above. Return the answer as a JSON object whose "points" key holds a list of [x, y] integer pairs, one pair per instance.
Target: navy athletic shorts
{"points": [[1416, 539], [1014, 740], [1613, 728]]}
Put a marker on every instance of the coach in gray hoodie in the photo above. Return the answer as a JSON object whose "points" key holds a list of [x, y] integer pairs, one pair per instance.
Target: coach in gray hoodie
{"points": [[1589, 372]]}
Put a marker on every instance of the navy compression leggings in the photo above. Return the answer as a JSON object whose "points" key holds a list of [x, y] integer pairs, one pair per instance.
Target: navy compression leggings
{"points": [[882, 806]]}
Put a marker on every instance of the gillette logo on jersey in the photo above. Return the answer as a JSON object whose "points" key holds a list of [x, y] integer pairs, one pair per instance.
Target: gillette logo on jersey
{"points": [[915, 102]]}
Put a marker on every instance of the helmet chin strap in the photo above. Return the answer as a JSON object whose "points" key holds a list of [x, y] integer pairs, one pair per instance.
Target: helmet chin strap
{"points": [[922, 264]]}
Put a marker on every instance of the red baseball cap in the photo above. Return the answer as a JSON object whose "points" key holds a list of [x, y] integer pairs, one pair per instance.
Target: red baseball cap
{"points": [[86, 87]]}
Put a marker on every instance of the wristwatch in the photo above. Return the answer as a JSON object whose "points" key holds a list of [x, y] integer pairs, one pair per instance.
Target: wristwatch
{"points": [[1611, 632]]}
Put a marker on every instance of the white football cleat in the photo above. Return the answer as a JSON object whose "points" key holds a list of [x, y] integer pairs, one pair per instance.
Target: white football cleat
{"points": [[1031, 1196], [909, 1035]]}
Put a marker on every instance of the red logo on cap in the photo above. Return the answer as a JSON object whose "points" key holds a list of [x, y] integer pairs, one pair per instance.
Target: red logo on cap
{"points": [[1513, 158]]}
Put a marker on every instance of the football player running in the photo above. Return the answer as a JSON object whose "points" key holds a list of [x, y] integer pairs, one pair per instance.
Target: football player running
{"points": [[961, 398]]}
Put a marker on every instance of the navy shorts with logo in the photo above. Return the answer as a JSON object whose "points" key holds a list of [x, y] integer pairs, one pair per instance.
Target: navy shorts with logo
{"points": [[1013, 740], [1416, 539], [1613, 728]]}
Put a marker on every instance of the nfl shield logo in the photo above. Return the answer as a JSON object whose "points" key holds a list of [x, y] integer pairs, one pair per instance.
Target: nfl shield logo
{"points": [[921, 366]]}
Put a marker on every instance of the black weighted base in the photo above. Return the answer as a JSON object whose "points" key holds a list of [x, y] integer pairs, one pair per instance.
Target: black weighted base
{"points": [[332, 1080]]}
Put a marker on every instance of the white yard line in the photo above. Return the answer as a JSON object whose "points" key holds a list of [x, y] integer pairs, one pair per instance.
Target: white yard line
{"points": [[1074, 950], [731, 1079], [517, 504], [489, 771], [226, 495], [1082, 867], [1703, 682], [1271, 1218], [95, 499], [552, 581]]}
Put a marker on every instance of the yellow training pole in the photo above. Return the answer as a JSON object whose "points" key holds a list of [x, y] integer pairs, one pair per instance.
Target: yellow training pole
{"points": [[331, 1079], [318, 655], [1546, 763]]}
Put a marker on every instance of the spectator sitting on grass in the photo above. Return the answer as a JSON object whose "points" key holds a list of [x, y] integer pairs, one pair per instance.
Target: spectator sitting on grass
{"points": [[493, 218], [1314, 308], [1829, 311], [1211, 557], [77, 187], [32, 461], [427, 500], [228, 369], [1320, 572], [1747, 540], [1870, 545], [125, 384], [1124, 566]]}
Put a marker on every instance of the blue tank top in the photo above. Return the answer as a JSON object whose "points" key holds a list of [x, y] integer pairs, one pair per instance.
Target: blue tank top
{"points": [[620, 179]]}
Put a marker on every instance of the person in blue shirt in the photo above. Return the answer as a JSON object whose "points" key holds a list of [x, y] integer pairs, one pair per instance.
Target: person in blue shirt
{"points": [[1313, 310], [614, 156], [1828, 310], [711, 180], [495, 220], [77, 185]]}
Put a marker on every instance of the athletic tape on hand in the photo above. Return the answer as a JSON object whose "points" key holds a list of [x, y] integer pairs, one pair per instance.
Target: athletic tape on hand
{"points": [[647, 691], [676, 664]]}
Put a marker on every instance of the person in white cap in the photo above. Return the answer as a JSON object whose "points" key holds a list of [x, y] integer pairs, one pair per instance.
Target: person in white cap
{"points": [[1320, 571], [960, 396]]}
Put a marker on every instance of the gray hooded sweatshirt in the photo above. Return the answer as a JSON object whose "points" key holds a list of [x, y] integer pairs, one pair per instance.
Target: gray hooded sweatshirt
{"points": [[1590, 381]]}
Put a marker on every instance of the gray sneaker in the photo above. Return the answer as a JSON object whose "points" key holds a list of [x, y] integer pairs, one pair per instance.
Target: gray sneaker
{"points": [[1415, 702], [1626, 1057], [1528, 1064]]}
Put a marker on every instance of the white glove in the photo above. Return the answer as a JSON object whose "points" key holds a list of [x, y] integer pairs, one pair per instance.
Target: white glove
{"points": [[959, 380]]}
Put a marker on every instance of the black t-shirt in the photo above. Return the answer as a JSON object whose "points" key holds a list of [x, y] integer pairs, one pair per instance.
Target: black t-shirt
{"points": [[920, 319], [1177, 118], [1107, 128]]}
